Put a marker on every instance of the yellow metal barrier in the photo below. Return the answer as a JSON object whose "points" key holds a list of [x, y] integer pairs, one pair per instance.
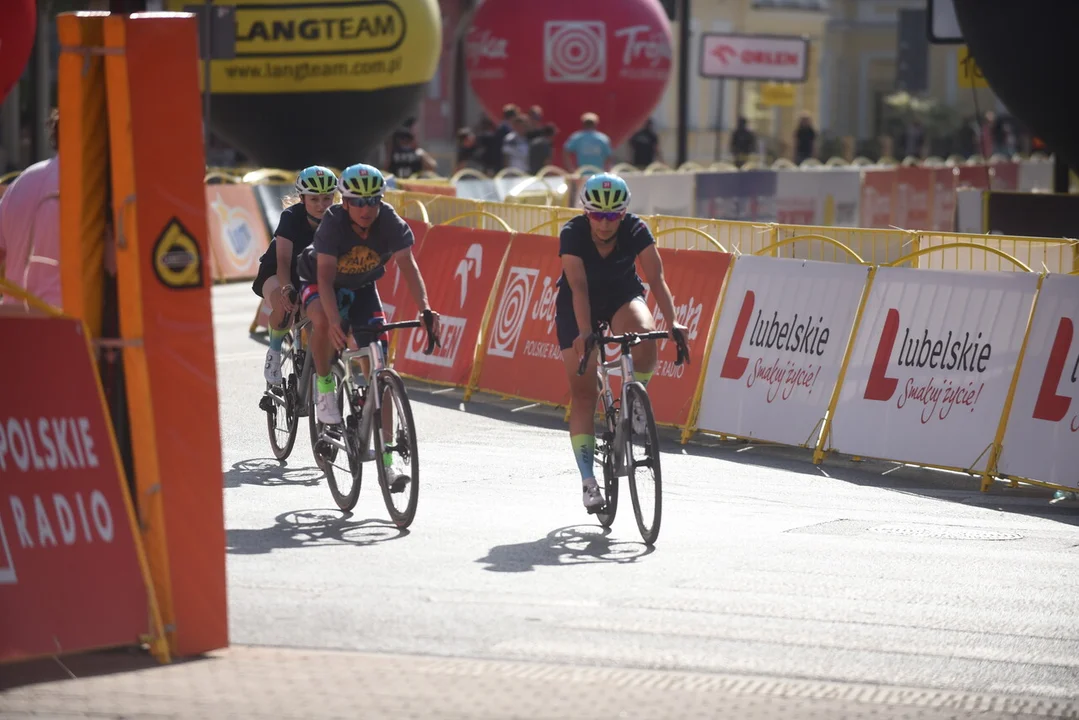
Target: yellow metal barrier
{"points": [[958, 245], [1055, 255], [481, 214], [875, 246], [832, 242], [693, 231]]}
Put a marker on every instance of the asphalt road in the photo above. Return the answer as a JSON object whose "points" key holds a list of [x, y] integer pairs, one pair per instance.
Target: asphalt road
{"points": [[766, 564]]}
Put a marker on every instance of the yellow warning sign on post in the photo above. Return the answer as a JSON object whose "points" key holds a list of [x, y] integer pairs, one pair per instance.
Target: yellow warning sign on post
{"points": [[777, 94], [970, 75]]}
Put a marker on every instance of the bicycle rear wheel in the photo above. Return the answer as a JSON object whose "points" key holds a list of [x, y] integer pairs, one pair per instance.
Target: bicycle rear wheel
{"points": [[642, 462], [283, 420], [343, 470], [610, 483], [400, 477]]}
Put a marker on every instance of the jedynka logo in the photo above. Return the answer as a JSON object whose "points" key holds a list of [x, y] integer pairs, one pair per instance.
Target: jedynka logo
{"points": [[807, 336], [1050, 405], [951, 352]]}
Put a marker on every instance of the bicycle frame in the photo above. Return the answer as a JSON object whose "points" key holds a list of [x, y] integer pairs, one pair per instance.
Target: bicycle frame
{"points": [[616, 423]]}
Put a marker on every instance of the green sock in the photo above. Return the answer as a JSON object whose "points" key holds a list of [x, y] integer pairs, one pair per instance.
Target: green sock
{"points": [[642, 377], [325, 384], [276, 336], [387, 459], [584, 451]]}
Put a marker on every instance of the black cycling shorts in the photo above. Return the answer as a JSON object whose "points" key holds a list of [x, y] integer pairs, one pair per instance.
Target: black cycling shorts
{"points": [[267, 269], [355, 308], [565, 320]]}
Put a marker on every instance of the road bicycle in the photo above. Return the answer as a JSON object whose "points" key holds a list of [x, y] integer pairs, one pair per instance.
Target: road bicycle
{"points": [[376, 426], [628, 425]]}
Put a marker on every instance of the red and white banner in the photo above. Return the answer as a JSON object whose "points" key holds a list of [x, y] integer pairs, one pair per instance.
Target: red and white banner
{"points": [[778, 348], [820, 196], [878, 197], [754, 57], [461, 268], [1042, 439], [522, 354], [933, 360], [943, 218], [69, 575], [914, 187], [396, 298]]}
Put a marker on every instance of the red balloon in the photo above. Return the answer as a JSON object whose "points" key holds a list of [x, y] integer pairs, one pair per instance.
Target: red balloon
{"points": [[610, 57], [18, 24]]}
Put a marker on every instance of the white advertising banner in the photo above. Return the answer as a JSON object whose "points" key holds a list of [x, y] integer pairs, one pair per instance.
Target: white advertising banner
{"points": [[1042, 439], [1035, 176], [933, 359], [798, 198], [754, 57], [778, 347], [671, 194]]}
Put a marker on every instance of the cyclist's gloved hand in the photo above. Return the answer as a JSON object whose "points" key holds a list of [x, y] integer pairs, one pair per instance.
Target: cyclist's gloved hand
{"points": [[584, 345], [679, 333], [432, 325]]}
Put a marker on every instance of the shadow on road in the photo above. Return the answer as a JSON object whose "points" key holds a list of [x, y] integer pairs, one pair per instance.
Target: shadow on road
{"points": [[571, 545], [311, 528], [83, 665], [270, 472], [890, 476]]}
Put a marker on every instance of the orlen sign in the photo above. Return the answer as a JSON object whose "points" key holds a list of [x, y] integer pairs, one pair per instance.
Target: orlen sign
{"points": [[571, 57], [754, 57], [932, 365], [1042, 438]]}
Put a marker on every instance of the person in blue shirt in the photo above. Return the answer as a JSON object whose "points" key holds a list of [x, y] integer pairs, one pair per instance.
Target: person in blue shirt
{"points": [[588, 146]]}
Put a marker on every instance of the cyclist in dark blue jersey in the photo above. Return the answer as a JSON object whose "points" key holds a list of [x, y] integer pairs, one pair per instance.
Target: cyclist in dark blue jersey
{"points": [[599, 283], [277, 281]]}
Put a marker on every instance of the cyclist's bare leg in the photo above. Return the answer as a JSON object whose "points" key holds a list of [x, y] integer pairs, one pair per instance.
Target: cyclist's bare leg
{"points": [[271, 291], [322, 349], [582, 422], [634, 316]]}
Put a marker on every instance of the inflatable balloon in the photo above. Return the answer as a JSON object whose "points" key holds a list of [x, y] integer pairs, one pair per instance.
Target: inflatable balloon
{"points": [[18, 26], [1025, 50], [321, 83], [610, 57]]}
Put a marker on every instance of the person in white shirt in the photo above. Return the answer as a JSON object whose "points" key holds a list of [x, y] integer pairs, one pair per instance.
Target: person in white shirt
{"points": [[30, 228], [515, 146]]}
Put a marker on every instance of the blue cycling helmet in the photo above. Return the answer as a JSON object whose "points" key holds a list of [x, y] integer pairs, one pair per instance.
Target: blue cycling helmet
{"points": [[605, 193], [316, 180], [362, 181]]}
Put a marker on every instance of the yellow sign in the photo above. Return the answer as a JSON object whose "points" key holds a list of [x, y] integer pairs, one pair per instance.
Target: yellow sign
{"points": [[777, 94], [177, 260], [285, 46], [970, 75]]}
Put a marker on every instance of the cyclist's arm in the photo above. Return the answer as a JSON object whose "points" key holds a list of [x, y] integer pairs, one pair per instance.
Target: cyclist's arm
{"points": [[284, 260], [573, 266], [327, 273], [411, 272], [652, 265]]}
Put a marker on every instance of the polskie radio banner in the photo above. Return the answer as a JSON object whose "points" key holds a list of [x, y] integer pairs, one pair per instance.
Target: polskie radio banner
{"points": [[779, 346], [462, 267], [932, 364], [1042, 438]]}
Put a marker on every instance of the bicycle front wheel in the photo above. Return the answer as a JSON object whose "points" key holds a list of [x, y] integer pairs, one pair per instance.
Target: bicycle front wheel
{"points": [[642, 462], [399, 463], [283, 421]]}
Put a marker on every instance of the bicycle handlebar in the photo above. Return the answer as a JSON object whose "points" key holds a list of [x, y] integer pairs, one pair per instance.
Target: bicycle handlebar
{"points": [[427, 322], [628, 340]]}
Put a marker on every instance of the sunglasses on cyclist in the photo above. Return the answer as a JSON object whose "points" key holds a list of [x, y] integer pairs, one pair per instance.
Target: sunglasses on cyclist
{"points": [[598, 215], [364, 202]]}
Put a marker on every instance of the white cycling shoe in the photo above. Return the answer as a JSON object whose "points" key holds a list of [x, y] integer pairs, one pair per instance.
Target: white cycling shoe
{"points": [[326, 410], [272, 369], [593, 498]]}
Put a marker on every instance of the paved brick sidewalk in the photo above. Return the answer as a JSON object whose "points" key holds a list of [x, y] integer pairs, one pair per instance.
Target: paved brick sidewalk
{"points": [[258, 682]]}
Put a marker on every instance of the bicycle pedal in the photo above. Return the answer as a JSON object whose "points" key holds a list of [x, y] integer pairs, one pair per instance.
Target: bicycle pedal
{"points": [[266, 403], [596, 509], [399, 484]]}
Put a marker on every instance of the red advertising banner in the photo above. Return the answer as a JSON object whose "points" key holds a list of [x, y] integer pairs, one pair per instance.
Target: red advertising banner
{"points": [[460, 268], [396, 299], [1005, 176], [70, 578], [522, 357], [975, 176], [522, 354], [878, 198], [944, 179], [914, 188]]}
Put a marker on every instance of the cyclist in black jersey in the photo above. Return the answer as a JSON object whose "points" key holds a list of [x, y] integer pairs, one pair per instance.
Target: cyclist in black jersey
{"points": [[599, 283], [277, 281]]}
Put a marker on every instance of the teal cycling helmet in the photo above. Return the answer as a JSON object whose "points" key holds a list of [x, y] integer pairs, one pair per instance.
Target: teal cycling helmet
{"points": [[316, 180], [361, 181], [605, 193]]}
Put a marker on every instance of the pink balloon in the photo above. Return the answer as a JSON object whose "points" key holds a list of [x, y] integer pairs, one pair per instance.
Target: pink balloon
{"points": [[610, 57], [18, 25]]}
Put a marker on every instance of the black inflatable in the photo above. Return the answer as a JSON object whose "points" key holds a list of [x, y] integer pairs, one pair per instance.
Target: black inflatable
{"points": [[1027, 52]]}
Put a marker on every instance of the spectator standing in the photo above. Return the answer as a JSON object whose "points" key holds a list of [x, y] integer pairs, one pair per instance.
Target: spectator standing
{"points": [[743, 142], [515, 148], [645, 145], [588, 146], [805, 139], [407, 159]]}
